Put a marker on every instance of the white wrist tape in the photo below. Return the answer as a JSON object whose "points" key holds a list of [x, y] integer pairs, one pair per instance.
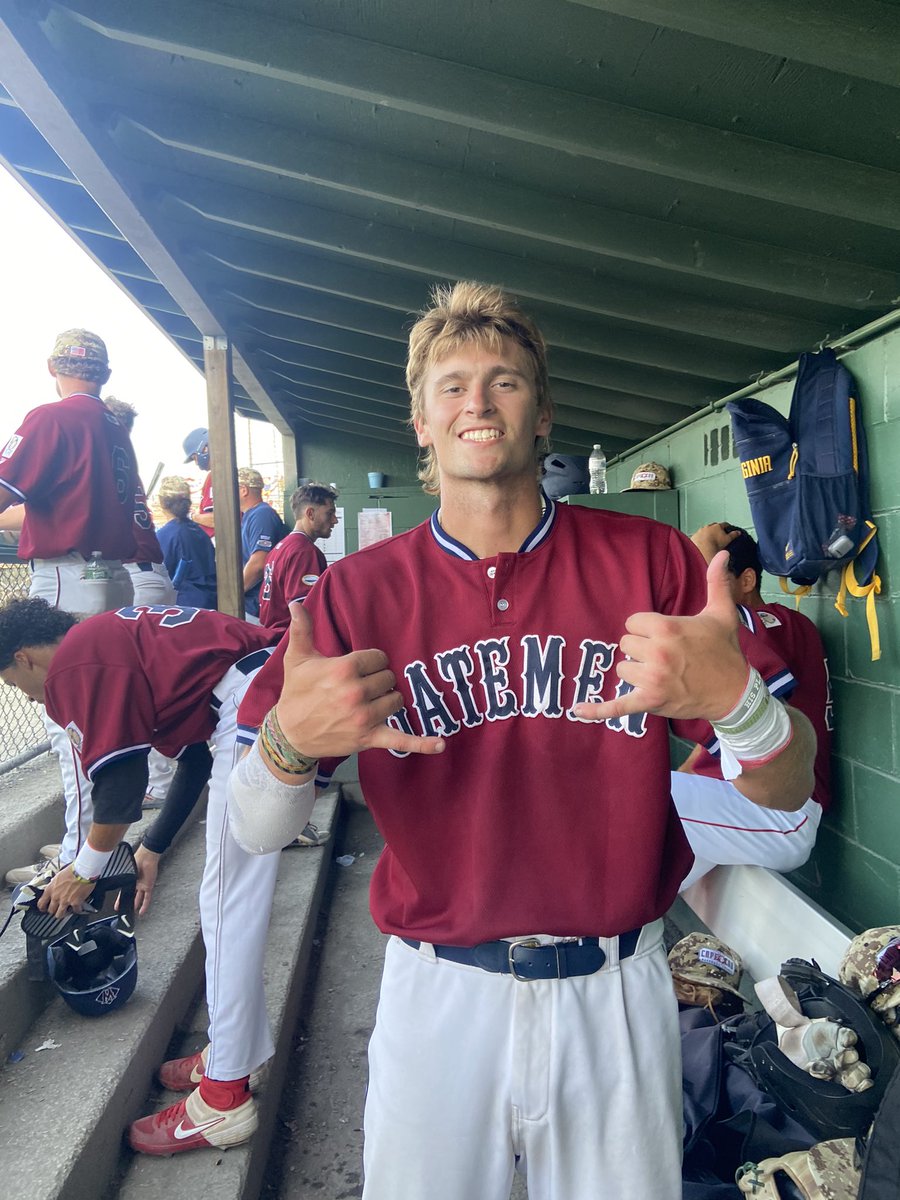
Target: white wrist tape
{"points": [[89, 863], [755, 731], [264, 814]]}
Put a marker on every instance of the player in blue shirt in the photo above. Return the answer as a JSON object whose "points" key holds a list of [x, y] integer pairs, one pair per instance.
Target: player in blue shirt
{"points": [[187, 549], [261, 530]]}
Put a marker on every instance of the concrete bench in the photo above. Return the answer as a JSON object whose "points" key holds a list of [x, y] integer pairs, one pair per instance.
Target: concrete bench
{"points": [[766, 919]]}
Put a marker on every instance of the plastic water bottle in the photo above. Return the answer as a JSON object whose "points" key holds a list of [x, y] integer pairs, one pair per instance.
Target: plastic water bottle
{"points": [[95, 567], [95, 586], [597, 470]]}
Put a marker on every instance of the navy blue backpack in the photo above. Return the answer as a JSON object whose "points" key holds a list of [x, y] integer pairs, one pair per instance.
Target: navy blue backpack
{"points": [[807, 479]]}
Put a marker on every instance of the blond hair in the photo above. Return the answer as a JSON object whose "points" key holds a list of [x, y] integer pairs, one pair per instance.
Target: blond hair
{"points": [[468, 314]]}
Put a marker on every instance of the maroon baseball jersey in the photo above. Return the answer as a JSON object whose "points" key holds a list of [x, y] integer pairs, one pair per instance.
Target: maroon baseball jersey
{"points": [[290, 571], [147, 547], [144, 676], [73, 466], [531, 821], [780, 634], [206, 503]]}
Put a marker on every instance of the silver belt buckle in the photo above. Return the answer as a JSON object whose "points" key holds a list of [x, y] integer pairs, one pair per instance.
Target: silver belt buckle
{"points": [[528, 944]]}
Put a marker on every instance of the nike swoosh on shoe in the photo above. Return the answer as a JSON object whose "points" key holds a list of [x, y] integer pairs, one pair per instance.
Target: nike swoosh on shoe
{"points": [[181, 1133]]}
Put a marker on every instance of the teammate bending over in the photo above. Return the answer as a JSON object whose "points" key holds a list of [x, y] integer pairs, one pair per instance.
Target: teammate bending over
{"points": [[508, 665], [170, 678]]}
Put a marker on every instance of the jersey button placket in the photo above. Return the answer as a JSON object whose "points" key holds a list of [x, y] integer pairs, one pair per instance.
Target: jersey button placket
{"points": [[501, 574]]}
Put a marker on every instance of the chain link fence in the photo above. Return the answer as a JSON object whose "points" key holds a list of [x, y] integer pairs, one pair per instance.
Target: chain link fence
{"points": [[22, 732]]}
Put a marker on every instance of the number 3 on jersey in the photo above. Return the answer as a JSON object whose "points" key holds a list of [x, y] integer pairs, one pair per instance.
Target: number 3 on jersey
{"points": [[171, 614]]}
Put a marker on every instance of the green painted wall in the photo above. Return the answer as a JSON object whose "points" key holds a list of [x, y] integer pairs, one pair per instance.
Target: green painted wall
{"points": [[855, 869], [344, 461]]}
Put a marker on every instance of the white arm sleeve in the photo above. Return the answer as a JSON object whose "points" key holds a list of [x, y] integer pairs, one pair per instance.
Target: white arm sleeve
{"points": [[265, 814]]}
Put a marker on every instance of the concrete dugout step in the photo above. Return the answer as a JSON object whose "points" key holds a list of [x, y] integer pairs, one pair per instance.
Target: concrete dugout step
{"points": [[23, 1000], [64, 1109]]}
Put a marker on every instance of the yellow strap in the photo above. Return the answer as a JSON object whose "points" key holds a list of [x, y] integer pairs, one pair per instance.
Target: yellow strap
{"points": [[801, 591], [868, 591]]}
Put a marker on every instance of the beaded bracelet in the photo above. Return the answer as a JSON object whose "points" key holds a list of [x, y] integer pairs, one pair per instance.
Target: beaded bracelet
{"points": [[275, 747]]}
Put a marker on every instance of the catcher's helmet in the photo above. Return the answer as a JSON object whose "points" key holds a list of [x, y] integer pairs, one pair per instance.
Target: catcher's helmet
{"points": [[565, 475], [94, 967], [822, 1106]]}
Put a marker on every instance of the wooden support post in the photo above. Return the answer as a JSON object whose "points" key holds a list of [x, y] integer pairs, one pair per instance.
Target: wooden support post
{"points": [[291, 471], [220, 409]]}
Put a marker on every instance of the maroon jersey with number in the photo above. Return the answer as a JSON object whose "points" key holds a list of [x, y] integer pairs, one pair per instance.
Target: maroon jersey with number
{"points": [[73, 466], [139, 677], [531, 821], [147, 547], [290, 571], [783, 633]]}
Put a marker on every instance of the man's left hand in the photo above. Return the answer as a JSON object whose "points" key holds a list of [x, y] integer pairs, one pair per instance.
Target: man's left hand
{"points": [[681, 666], [63, 895]]}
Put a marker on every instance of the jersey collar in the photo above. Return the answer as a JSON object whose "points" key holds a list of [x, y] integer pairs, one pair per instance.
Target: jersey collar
{"points": [[538, 535]]}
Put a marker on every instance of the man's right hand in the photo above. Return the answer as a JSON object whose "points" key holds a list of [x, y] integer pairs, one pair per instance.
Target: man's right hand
{"points": [[332, 707]]}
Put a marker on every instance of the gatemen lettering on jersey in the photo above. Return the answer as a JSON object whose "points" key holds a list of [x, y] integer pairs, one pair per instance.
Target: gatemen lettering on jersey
{"points": [[468, 685]]}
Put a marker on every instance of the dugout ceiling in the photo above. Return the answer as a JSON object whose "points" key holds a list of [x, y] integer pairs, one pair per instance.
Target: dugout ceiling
{"points": [[686, 193]]}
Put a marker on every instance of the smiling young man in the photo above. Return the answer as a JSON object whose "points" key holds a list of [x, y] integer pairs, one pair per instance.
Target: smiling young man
{"points": [[526, 1014]]}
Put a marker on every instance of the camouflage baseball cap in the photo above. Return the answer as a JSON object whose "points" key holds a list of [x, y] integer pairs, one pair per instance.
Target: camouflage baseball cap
{"points": [[649, 477], [174, 485], [82, 354], [702, 958], [251, 478], [857, 969]]}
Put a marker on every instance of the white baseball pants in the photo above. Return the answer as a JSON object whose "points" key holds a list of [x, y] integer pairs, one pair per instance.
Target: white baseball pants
{"points": [[153, 586], [235, 903], [59, 582], [577, 1082], [724, 827]]}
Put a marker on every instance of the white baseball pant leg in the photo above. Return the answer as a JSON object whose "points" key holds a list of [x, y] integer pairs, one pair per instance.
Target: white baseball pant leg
{"points": [[235, 904], [725, 828], [59, 582], [580, 1079], [151, 586]]}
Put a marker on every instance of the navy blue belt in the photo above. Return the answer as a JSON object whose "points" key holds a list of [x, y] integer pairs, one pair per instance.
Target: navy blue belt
{"points": [[527, 960], [144, 566]]}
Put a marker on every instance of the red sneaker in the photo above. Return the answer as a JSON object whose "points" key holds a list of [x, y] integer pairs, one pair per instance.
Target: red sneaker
{"points": [[184, 1074], [192, 1124]]}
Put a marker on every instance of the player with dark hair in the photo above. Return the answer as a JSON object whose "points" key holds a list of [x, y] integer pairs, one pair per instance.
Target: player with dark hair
{"points": [[72, 468], [187, 551], [30, 622], [722, 826], [501, 664], [297, 562], [171, 678]]}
